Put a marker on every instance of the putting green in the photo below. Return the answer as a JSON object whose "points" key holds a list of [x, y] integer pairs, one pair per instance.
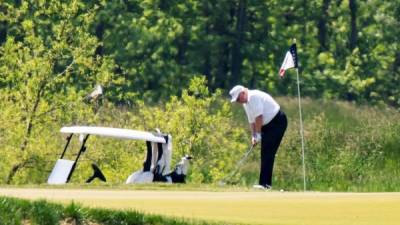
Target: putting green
{"points": [[256, 207]]}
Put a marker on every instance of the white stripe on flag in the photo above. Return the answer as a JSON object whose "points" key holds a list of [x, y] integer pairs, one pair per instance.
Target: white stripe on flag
{"points": [[288, 63]]}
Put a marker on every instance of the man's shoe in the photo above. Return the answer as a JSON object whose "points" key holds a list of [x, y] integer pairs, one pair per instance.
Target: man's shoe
{"points": [[258, 186], [262, 187]]}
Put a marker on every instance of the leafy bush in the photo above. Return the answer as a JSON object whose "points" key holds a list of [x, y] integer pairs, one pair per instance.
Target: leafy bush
{"points": [[348, 147], [202, 126]]}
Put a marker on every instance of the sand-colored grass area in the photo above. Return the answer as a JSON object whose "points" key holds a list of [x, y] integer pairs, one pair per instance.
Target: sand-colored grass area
{"points": [[248, 207]]}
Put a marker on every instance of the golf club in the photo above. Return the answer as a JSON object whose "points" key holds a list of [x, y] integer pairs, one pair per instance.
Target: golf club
{"points": [[238, 165]]}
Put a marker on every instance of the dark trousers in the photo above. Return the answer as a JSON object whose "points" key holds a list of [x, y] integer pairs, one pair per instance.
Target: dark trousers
{"points": [[271, 136]]}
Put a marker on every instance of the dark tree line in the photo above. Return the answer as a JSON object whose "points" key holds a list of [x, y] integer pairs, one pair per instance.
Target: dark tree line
{"points": [[347, 49]]}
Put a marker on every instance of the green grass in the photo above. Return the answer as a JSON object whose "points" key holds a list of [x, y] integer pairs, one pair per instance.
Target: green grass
{"points": [[151, 186], [100, 206], [15, 211]]}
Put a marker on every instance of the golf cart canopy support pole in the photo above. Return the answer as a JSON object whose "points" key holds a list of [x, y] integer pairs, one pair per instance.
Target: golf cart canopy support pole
{"points": [[66, 145], [160, 151], [147, 163], [83, 149]]}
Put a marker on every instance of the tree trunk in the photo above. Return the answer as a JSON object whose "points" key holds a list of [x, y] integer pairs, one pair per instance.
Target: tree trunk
{"points": [[237, 58], [396, 63], [3, 32], [99, 34], [353, 24], [28, 132], [207, 69], [16, 168], [221, 80], [220, 60], [304, 22], [206, 53], [322, 26], [12, 172], [32, 115], [183, 43]]}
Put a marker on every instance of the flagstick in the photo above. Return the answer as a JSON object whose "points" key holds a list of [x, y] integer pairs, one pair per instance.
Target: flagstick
{"points": [[301, 130]]}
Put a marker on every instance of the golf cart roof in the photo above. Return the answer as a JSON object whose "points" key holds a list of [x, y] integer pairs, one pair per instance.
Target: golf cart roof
{"points": [[114, 132]]}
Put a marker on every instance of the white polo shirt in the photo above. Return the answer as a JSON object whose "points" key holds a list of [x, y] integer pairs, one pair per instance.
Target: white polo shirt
{"points": [[260, 103]]}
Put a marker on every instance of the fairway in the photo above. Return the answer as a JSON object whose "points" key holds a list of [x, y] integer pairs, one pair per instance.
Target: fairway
{"points": [[257, 207]]}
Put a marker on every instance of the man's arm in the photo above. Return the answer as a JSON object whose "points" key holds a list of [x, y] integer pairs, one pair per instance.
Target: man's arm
{"points": [[253, 128], [256, 129], [258, 124]]}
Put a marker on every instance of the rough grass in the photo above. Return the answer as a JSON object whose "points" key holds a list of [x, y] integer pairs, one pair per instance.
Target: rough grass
{"points": [[348, 147], [41, 212]]}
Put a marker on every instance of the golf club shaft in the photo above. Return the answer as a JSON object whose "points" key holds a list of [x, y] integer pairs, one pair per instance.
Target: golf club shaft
{"points": [[239, 163]]}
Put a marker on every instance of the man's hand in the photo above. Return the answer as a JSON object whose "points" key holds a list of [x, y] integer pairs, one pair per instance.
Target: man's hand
{"points": [[256, 138]]}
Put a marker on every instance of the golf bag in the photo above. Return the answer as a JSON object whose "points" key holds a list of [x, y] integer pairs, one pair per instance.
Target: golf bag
{"points": [[179, 173], [157, 162]]}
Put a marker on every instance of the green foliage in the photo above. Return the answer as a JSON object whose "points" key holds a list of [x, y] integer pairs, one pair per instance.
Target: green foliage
{"points": [[47, 64], [44, 213], [9, 213], [159, 45], [75, 212], [348, 146], [108, 217], [200, 124], [169, 64], [204, 124], [347, 53]]}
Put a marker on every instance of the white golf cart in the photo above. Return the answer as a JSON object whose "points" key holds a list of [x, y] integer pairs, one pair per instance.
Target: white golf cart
{"points": [[156, 166]]}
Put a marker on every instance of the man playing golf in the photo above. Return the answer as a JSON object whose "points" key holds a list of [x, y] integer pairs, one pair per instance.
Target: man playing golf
{"points": [[268, 125]]}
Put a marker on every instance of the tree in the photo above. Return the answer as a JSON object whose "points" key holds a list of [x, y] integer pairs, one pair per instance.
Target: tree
{"points": [[46, 63]]}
